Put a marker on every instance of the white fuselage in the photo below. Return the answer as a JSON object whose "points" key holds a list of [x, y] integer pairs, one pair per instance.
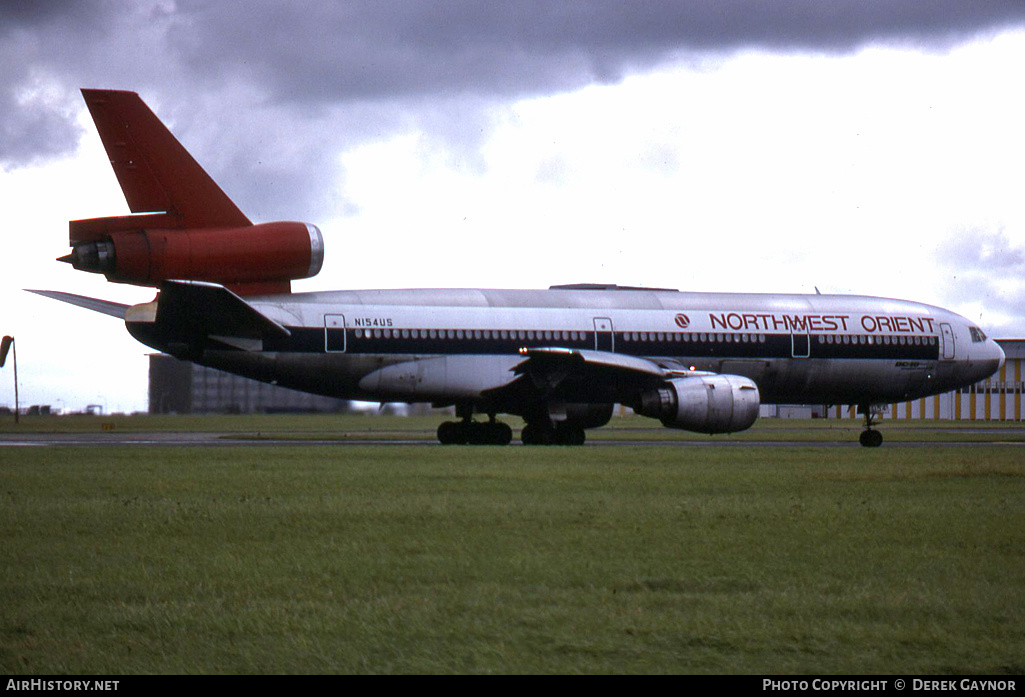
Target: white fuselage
{"points": [[454, 346]]}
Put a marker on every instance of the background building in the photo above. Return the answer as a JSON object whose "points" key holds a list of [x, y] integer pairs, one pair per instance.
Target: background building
{"points": [[180, 387]]}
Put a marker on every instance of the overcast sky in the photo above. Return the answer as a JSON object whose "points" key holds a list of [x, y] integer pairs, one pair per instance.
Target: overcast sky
{"points": [[870, 147]]}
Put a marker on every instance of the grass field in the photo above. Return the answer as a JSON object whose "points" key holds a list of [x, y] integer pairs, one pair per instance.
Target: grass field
{"points": [[388, 559]]}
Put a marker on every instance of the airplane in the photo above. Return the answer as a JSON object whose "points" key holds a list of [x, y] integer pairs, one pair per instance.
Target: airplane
{"points": [[560, 358]]}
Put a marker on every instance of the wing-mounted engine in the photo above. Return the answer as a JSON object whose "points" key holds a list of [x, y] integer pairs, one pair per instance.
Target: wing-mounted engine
{"points": [[582, 415], [703, 403]]}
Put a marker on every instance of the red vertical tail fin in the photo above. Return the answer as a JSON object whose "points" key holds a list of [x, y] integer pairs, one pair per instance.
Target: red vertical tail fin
{"points": [[156, 173], [183, 226]]}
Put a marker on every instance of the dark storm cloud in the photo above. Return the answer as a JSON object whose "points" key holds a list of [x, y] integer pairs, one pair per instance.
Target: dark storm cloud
{"points": [[36, 108], [267, 93], [382, 49]]}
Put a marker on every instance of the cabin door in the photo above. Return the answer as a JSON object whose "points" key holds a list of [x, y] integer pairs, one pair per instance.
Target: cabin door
{"points": [[334, 333], [800, 345], [946, 341], [603, 337]]}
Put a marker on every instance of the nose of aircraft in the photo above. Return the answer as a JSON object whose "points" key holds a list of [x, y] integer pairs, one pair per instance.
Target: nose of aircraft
{"points": [[991, 359], [999, 353]]}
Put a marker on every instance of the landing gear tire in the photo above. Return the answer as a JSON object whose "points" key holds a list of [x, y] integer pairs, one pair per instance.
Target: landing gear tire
{"points": [[566, 434], [868, 437], [451, 433], [474, 433], [537, 433], [871, 439]]}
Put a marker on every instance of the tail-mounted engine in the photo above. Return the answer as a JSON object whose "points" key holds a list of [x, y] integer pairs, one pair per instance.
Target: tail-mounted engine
{"points": [[185, 227], [255, 258], [705, 404]]}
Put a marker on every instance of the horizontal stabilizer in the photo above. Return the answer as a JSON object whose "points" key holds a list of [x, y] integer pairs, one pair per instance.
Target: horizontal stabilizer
{"points": [[96, 305], [210, 309]]}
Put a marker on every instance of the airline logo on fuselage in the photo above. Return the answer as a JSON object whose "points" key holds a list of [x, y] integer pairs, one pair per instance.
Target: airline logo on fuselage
{"points": [[762, 322]]}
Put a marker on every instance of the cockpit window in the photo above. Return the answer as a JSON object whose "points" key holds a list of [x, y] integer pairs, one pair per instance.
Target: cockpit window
{"points": [[977, 335]]}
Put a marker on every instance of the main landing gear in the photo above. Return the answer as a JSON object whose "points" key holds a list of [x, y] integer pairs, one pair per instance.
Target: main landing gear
{"points": [[546, 433], [470, 432], [539, 431], [474, 433], [868, 437]]}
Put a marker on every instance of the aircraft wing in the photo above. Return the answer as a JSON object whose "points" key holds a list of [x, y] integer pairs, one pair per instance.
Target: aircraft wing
{"points": [[581, 374], [594, 363]]}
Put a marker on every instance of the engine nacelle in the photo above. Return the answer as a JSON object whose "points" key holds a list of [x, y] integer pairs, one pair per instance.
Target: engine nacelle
{"points": [[584, 415], [258, 254], [704, 403]]}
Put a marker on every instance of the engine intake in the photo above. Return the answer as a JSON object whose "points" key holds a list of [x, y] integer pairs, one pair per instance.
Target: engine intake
{"points": [[704, 404]]}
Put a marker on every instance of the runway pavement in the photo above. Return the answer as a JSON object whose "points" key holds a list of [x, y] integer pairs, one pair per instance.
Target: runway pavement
{"points": [[214, 439]]}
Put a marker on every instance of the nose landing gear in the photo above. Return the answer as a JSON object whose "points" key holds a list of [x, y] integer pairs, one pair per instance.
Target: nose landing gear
{"points": [[870, 438]]}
